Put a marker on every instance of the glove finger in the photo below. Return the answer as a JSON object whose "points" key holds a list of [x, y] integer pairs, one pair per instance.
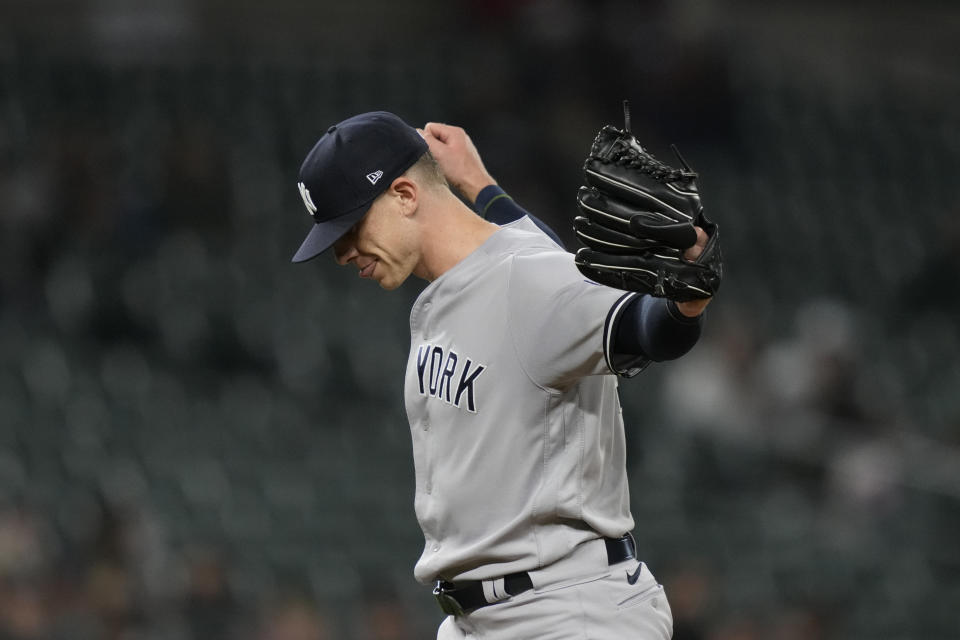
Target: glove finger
{"points": [[680, 235], [643, 281], [662, 276], [596, 206], [605, 239], [611, 212], [636, 261], [643, 192]]}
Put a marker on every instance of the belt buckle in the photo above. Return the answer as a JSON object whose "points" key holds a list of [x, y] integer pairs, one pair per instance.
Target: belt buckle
{"points": [[446, 601]]}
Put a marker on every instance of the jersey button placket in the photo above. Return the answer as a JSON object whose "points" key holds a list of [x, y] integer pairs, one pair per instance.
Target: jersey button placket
{"points": [[426, 428]]}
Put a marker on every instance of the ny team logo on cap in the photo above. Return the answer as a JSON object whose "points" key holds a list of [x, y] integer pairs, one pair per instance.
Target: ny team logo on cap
{"points": [[307, 200]]}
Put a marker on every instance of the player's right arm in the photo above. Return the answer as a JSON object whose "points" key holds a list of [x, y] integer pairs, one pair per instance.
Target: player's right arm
{"points": [[460, 161], [456, 154]]}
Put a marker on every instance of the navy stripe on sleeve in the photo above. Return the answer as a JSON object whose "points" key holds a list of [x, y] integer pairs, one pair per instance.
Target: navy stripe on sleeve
{"points": [[626, 365], [496, 205], [655, 329]]}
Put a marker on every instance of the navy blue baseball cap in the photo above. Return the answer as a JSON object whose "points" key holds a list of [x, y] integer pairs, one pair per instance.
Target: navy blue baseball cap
{"points": [[353, 163]]}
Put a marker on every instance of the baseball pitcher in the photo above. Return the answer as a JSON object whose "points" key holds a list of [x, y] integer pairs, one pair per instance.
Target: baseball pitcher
{"points": [[515, 351]]}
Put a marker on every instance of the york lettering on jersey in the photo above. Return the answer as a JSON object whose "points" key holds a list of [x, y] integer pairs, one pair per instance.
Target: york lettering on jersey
{"points": [[446, 375]]}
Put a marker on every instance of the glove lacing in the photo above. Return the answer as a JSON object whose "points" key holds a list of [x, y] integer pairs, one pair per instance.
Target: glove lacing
{"points": [[627, 156], [627, 152]]}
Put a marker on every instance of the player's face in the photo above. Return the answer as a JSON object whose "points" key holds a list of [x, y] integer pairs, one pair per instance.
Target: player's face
{"points": [[382, 245]]}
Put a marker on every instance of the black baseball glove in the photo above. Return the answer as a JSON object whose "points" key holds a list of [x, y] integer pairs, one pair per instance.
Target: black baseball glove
{"points": [[638, 218]]}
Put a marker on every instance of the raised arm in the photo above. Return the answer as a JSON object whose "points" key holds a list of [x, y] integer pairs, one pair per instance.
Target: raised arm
{"points": [[458, 157], [461, 164]]}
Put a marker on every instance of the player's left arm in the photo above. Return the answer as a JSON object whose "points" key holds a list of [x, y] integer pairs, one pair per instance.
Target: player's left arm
{"points": [[649, 329]]}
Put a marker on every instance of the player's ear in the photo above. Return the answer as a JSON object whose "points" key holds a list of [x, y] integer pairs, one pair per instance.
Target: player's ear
{"points": [[407, 193]]}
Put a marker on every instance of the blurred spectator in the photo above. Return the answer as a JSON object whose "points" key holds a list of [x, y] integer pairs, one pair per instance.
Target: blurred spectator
{"points": [[383, 616], [23, 611], [294, 619], [722, 369], [815, 368], [924, 290], [737, 628], [796, 624], [111, 596], [689, 593], [210, 609], [25, 544]]}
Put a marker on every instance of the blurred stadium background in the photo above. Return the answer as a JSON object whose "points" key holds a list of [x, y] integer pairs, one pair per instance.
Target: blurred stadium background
{"points": [[200, 440]]}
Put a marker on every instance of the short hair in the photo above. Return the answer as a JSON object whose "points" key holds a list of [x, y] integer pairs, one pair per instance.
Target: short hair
{"points": [[427, 170]]}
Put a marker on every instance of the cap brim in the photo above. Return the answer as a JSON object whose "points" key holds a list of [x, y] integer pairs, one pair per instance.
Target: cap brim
{"points": [[324, 234]]}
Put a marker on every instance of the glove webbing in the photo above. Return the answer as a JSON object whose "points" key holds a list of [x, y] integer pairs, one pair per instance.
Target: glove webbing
{"points": [[626, 154]]}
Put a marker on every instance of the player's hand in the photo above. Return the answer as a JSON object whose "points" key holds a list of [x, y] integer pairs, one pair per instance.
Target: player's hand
{"points": [[692, 253], [693, 308], [458, 158]]}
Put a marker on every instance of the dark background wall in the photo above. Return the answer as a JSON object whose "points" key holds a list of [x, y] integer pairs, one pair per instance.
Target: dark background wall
{"points": [[201, 440]]}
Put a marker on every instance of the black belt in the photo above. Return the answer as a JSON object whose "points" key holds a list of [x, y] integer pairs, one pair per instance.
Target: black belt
{"points": [[455, 598]]}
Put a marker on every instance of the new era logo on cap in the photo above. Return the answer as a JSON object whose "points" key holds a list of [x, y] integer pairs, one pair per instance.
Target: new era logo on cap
{"points": [[334, 183]]}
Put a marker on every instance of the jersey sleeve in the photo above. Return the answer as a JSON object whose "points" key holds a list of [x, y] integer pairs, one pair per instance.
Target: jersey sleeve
{"points": [[496, 205], [653, 329], [561, 323]]}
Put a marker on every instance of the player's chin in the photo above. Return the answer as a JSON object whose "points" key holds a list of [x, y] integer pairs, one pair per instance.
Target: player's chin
{"points": [[389, 284], [392, 276]]}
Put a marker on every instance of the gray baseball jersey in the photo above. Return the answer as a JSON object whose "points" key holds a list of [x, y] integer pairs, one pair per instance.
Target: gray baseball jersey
{"points": [[518, 436]]}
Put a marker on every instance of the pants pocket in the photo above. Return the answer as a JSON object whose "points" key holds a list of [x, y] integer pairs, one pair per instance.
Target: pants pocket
{"points": [[652, 594], [638, 587]]}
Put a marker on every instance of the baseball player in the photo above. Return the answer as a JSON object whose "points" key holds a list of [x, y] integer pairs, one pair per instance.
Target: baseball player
{"points": [[511, 384]]}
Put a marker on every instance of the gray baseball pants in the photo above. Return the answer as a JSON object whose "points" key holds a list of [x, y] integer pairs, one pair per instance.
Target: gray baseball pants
{"points": [[580, 597]]}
